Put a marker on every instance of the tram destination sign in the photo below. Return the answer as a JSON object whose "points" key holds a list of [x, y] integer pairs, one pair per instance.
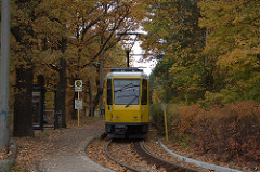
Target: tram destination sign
{"points": [[78, 85]]}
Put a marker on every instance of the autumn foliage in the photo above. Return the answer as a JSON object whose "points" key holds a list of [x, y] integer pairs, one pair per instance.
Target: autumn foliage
{"points": [[231, 132], [209, 56]]}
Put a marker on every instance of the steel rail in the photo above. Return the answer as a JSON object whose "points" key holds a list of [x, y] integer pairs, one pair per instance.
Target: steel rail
{"points": [[142, 146], [117, 161]]}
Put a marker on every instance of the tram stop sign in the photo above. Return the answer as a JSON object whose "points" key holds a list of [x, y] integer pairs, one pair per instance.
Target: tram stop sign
{"points": [[78, 85]]}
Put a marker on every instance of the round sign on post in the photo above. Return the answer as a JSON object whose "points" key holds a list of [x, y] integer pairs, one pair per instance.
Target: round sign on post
{"points": [[78, 85]]}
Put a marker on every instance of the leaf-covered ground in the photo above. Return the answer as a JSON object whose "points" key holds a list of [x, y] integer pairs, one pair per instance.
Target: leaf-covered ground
{"points": [[125, 153], [5, 153], [97, 153], [213, 158], [33, 150]]}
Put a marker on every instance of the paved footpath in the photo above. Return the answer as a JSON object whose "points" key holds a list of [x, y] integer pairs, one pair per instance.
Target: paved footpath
{"points": [[69, 155]]}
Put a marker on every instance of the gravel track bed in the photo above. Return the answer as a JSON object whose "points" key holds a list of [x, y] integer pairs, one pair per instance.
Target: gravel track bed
{"points": [[122, 151], [96, 152], [125, 152]]}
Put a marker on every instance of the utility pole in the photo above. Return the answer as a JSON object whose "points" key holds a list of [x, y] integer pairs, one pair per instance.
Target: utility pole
{"points": [[5, 74], [128, 56]]}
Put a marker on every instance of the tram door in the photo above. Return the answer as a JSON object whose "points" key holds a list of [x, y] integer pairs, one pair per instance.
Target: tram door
{"points": [[144, 101], [109, 101]]}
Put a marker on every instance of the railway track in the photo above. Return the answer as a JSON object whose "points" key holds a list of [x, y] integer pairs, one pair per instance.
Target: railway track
{"points": [[139, 148]]}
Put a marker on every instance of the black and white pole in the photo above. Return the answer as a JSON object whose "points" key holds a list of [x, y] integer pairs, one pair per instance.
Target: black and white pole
{"points": [[5, 74]]}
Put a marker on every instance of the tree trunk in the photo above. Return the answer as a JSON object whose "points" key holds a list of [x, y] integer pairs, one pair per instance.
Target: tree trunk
{"points": [[85, 97], [88, 96], [74, 111], [95, 103], [97, 97], [60, 103], [22, 104], [63, 83], [84, 100], [62, 88]]}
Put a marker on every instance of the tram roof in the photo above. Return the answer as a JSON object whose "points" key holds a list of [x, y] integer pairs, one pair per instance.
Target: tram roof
{"points": [[126, 72]]}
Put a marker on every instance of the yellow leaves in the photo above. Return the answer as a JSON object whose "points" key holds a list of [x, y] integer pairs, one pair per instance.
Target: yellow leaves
{"points": [[5, 153], [237, 56], [219, 13], [239, 18], [43, 24], [233, 40], [226, 60], [155, 96], [256, 64], [204, 22], [210, 11]]}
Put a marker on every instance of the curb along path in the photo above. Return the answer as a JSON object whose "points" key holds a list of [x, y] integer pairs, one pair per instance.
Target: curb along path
{"points": [[198, 163], [69, 155]]}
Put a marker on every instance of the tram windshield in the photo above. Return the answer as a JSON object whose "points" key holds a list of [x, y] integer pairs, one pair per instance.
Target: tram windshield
{"points": [[127, 91]]}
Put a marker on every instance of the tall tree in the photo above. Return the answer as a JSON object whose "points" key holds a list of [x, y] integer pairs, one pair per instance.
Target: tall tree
{"points": [[93, 30], [90, 32], [233, 46], [23, 42], [173, 32], [65, 35]]}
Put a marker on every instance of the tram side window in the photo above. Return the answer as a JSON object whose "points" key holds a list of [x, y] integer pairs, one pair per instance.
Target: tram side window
{"points": [[144, 92], [109, 92]]}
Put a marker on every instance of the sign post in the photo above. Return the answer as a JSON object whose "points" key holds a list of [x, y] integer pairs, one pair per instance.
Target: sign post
{"points": [[78, 103]]}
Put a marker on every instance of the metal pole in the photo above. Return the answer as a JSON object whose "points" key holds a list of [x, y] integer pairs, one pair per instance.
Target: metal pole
{"points": [[5, 74], [127, 55]]}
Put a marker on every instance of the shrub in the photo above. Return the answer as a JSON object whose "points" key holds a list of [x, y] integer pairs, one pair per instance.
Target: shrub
{"points": [[158, 118], [214, 98], [231, 131]]}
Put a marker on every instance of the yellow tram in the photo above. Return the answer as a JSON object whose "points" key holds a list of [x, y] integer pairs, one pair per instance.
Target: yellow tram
{"points": [[126, 103]]}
